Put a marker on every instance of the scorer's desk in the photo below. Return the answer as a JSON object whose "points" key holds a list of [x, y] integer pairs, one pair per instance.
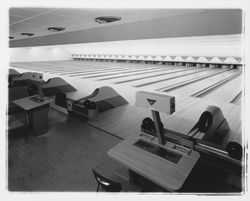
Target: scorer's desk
{"points": [[167, 174], [37, 112]]}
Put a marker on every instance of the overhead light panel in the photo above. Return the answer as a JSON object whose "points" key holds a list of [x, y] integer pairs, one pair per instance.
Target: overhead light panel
{"points": [[56, 29], [27, 34], [107, 19]]}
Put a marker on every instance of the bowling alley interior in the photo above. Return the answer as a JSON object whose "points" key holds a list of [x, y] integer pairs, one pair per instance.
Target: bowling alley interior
{"points": [[125, 100]]}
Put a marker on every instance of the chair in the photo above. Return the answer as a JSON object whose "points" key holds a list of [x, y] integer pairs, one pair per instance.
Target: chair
{"points": [[107, 184]]}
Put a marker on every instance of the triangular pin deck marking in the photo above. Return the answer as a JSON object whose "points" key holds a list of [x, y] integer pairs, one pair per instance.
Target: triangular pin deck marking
{"points": [[151, 101]]}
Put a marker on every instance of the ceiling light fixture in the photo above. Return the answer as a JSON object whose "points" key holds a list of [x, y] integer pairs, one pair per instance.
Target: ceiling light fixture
{"points": [[56, 29], [27, 34], [107, 19]]}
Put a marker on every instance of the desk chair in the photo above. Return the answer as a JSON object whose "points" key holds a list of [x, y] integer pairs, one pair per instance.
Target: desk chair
{"points": [[107, 184]]}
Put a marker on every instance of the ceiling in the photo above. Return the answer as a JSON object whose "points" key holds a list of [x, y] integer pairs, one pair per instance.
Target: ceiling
{"points": [[37, 20]]}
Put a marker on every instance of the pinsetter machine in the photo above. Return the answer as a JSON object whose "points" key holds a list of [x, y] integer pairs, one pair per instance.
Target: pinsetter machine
{"points": [[205, 137]]}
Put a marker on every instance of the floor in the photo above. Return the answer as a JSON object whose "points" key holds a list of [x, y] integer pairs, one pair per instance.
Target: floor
{"points": [[62, 159]]}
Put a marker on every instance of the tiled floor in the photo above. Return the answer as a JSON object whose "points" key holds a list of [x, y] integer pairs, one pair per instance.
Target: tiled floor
{"points": [[62, 159]]}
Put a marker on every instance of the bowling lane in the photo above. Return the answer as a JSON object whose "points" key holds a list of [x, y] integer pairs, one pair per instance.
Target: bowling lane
{"points": [[110, 73], [227, 92], [164, 76], [74, 67], [53, 68], [103, 72], [62, 69], [105, 65], [100, 67], [172, 80], [202, 84], [124, 79], [138, 73]]}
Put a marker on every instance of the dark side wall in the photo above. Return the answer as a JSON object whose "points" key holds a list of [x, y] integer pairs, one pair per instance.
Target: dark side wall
{"points": [[210, 22]]}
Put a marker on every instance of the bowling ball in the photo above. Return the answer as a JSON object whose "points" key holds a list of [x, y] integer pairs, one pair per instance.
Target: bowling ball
{"points": [[234, 150], [86, 104], [92, 105], [148, 124]]}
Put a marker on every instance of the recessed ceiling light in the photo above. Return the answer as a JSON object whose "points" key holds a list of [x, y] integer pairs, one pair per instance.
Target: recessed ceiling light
{"points": [[11, 37], [107, 19], [27, 34], [56, 29]]}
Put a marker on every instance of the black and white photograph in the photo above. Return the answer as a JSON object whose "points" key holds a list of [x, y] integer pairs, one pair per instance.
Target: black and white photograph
{"points": [[106, 100]]}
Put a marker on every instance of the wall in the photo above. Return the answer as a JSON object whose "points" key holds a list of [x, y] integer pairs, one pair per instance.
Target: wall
{"points": [[220, 45], [38, 54]]}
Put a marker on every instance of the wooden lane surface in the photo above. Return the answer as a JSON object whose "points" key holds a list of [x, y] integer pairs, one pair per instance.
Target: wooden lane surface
{"points": [[136, 72], [165, 83], [78, 65], [102, 68], [227, 92], [124, 79], [132, 75], [93, 65], [106, 74], [161, 78], [75, 68], [63, 68], [40, 66], [60, 68], [110, 72], [121, 121], [126, 120], [197, 86]]}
